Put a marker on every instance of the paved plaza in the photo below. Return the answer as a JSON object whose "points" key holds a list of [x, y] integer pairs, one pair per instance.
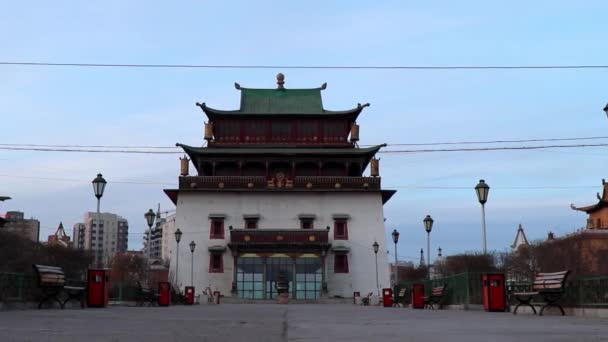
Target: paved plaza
{"points": [[297, 322]]}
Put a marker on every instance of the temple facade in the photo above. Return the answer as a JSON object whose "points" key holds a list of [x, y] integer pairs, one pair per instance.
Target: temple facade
{"points": [[280, 191]]}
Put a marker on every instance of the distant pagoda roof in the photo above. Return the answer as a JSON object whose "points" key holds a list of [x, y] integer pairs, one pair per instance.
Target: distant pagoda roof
{"points": [[281, 101], [602, 201]]}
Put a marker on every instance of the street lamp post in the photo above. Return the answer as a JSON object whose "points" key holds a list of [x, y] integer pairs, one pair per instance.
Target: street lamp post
{"points": [[428, 226], [482, 190], [178, 237], [99, 185], [376, 247], [192, 246], [150, 216], [395, 235]]}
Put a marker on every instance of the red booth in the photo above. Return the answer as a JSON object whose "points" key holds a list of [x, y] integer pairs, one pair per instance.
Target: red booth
{"points": [[387, 297], [494, 294], [189, 295], [97, 288], [164, 293], [418, 296]]}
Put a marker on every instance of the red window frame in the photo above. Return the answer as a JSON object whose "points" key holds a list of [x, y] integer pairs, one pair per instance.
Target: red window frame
{"points": [[216, 263], [340, 230], [251, 223], [307, 223], [216, 231], [340, 263]]}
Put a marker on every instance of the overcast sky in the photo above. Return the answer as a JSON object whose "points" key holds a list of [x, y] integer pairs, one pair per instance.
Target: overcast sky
{"points": [[80, 106]]}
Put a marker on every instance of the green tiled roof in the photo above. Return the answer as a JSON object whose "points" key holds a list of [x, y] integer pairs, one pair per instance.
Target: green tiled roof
{"points": [[281, 101]]}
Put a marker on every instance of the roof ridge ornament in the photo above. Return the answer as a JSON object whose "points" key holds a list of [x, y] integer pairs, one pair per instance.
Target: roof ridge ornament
{"points": [[202, 105], [324, 86], [362, 105], [280, 81], [237, 86]]}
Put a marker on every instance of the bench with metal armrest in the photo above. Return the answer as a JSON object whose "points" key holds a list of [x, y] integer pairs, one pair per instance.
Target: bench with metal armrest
{"points": [[548, 286]]}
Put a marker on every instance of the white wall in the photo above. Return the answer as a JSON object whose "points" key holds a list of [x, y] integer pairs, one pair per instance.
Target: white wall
{"points": [[280, 210]]}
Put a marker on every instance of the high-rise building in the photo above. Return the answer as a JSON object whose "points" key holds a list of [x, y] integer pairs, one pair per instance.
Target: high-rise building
{"points": [[280, 196], [78, 234], [15, 221], [108, 234]]}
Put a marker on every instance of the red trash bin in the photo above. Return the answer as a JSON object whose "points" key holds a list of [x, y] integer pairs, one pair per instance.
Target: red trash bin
{"points": [[494, 294], [189, 295], [97, 288], [418, 296], [387, 297], [164, 293]]}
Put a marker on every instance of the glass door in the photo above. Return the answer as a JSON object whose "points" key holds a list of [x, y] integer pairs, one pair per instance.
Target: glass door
{"points": [[250, 277], [309, 278], [274, 267]]}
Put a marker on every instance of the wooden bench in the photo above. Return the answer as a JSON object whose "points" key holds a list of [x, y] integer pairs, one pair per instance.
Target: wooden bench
{"points": [[549, 286], [146, 295], [52, 282], [435, 297]]}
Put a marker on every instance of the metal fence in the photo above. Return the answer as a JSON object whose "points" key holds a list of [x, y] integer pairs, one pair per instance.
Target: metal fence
{"points": [[20, 287], [462, 288], [466, 288]]}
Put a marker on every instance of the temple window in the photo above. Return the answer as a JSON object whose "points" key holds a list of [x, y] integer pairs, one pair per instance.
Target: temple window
{"points": [[340, 263], [280, 131], [306, 223], [216, 263], [251, 221], [340, 229], [254, 131], [217, 228], [333, 169], [308, 131]]}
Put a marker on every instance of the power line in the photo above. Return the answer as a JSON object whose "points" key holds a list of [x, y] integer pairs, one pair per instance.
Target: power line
{"points": [[502, 148], [86, 181], [44, 149], [89, 146], [40, 149], [336, 67], [496, 141], [395, 144]]}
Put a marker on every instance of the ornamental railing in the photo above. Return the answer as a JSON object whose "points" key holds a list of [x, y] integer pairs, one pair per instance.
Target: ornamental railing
{"points": [[264, 183], [279, 236]]}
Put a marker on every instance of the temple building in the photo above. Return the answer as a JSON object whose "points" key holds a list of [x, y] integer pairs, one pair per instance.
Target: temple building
{"points": [[597, 213], [280, 191]]}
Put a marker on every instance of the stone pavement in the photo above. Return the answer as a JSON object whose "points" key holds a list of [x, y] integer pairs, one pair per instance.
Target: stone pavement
{"points": [[296, 322]]}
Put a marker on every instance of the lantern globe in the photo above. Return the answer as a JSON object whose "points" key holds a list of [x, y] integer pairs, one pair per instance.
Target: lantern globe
{"points": [[99, 185], [192, 246], [178, 235], [428, 223], [482, 189], [150, 216], [376, 247], [395, 236]]}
